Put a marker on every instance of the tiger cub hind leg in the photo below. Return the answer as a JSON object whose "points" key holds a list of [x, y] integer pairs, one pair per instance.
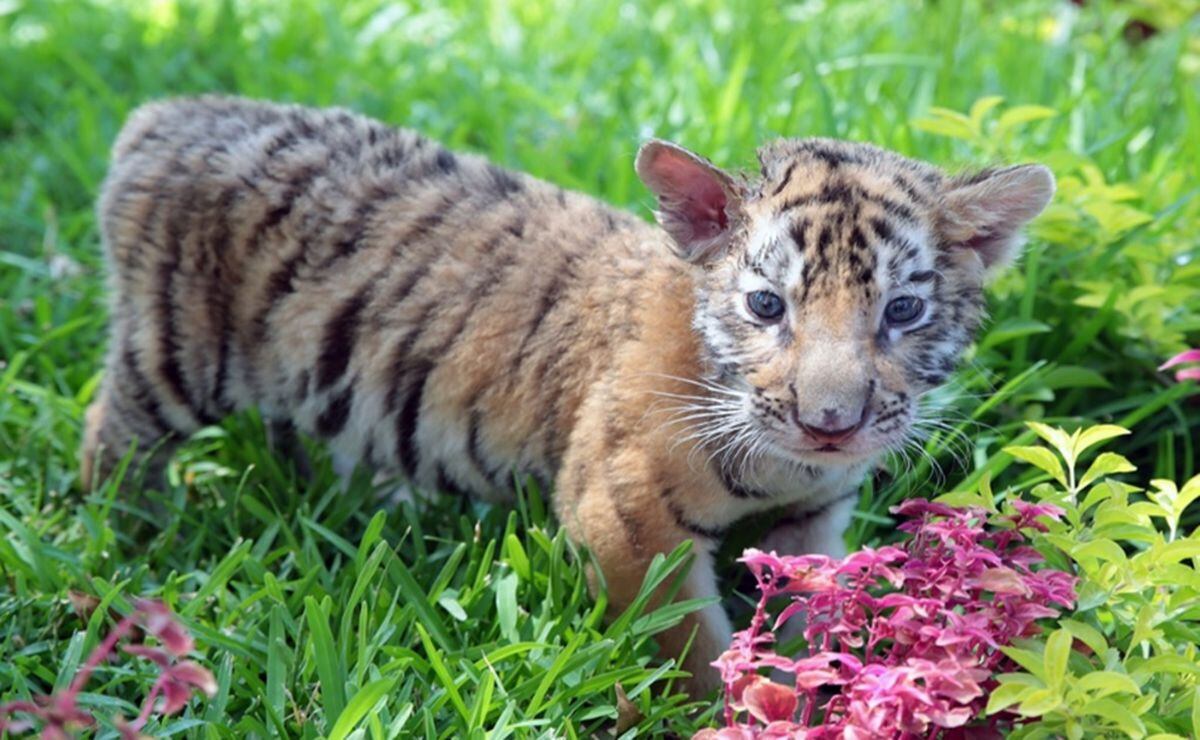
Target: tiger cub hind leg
{"points": [[124, 420]]}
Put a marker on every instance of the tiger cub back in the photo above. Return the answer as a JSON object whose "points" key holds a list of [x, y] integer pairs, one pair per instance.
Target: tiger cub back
{"points": [[359, 281]]}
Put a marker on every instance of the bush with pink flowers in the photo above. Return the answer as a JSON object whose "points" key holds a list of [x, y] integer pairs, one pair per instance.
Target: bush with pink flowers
{"points": [[59, 715], [904, 641]]}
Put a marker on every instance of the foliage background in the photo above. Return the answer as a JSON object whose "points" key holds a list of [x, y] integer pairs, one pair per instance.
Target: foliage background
{"points": [[313, 608]]}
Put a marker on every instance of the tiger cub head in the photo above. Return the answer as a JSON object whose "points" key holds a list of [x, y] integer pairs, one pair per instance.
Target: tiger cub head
{"points": [[836, 287]]}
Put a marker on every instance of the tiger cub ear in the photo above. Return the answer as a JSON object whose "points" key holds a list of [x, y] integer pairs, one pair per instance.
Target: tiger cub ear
{"points": [[985, 212], [696, 200]]}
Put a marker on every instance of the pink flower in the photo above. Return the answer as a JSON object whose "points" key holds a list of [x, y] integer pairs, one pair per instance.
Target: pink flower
{"points": [[59, 714], [769, 702], [1190, 373], [160, 622], [1027, 514]]}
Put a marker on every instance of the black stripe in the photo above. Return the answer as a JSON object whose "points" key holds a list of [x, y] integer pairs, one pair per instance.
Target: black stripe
{"points": [[736, 489], [400, 355], [333, 419], [685, 523], [922, 276], [445, 161], [893, 207], [406, 422], [169, 365], [799, 234], [787, 176], [142, 392], [445, 485], [341, 334], [546, 304], [882, 229], [475, 444], [218, 298], [830, 156], [503, 181]]}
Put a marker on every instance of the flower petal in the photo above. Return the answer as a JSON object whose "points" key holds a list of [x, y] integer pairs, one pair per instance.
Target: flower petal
{"points": [[768, 702]]}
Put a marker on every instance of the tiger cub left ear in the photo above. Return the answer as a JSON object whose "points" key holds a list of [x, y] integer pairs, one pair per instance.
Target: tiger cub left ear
{"points": [[986, 212], [696, 199]]}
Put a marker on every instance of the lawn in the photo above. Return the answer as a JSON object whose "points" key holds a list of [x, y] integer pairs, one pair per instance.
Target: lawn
{"points": [[323, 613]]}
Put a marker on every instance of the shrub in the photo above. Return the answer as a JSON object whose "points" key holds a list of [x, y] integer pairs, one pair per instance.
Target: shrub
{"points": [[908, 637], [1124, 663]]}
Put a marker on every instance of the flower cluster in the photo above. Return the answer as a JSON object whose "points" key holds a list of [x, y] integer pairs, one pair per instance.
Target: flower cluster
{"points": [[59, 713], [902, 640]]}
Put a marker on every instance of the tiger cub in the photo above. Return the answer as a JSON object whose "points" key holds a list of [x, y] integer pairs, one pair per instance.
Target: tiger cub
{"points": [[429, 314]]}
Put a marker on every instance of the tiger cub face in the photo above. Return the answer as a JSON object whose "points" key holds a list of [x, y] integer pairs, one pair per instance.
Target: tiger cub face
{"points": [[834, 288]]}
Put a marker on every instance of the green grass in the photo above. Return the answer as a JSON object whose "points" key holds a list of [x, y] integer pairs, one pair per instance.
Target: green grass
{"points": [[319, 611]]}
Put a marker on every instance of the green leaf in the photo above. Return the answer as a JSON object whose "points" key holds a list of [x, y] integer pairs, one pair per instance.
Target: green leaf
{"points": [[1027, 659], [329, 662], [1010, 329], [1041, 458], [1093, 436], [1019, 115], [1178, 550], [946, 122], [515, 554], [1196, 711], [1103, 549], [1108, 463], [1074, 376], [980, 108], [1054, 660], [443, 674], [1039, 703], [1118, 715], [1107, 682], [1086, 634], [1056, 438], [363, 701], [1005, 695]]}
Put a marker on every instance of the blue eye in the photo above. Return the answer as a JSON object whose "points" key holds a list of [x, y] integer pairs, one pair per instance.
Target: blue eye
{"points": [[904, 310], [765, 305]]}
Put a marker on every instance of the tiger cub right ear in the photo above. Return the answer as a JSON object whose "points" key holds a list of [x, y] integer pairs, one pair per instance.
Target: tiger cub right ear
{"points": [[696, 199]]}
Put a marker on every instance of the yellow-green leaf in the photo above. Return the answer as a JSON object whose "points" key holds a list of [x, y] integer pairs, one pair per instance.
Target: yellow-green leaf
{"points": [[1041, 458], [1093, 436], [1054, 660], [1027, 659], [946, 122], [1056, 438], [1118, 715], [1022, 114], [1107, 682], [1103, 549], [1087, 634], [1039, 703], [981, 108], [1108, 463], [1180, 550], [1006, 695]]}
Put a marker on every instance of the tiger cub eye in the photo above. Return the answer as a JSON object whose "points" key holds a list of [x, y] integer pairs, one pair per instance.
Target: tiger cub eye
{"points": [[765, 305]]}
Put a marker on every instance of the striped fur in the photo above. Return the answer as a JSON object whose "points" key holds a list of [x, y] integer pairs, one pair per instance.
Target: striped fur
{"points": [[429, 314]]}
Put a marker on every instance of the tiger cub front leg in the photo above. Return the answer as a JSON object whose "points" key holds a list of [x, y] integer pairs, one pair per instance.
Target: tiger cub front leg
{"points": [[813, 529], [618, 503]]}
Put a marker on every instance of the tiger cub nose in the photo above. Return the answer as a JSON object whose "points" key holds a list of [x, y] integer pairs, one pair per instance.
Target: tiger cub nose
{"points": [[833, 428]]}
